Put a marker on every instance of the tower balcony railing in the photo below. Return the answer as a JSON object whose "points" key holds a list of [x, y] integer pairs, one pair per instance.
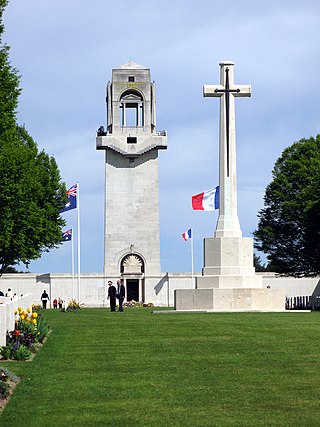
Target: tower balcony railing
{"points": [[162, 133], [132, 129]]}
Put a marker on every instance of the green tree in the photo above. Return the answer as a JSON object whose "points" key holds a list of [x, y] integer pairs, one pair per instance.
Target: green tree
{"points": [[289, 224], [258, 265], [31, 190], [9, 84]]}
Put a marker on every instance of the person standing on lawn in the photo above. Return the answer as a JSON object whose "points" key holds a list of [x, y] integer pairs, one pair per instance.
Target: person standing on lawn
{"points": [[44, 299], [121, 293], [112, 296]]}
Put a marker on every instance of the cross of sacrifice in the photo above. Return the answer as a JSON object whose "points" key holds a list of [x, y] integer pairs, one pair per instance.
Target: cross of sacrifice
{"points": [[227, 91]]}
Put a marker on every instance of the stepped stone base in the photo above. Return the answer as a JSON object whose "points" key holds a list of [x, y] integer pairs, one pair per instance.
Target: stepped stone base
{"points": [[228, 280], [230, 299], [205, 282]]}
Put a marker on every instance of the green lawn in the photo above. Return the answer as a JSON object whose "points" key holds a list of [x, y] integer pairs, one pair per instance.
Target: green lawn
{"points": [[140, 369]]}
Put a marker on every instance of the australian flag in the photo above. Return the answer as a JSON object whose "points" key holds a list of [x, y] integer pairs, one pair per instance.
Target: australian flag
{"points": [[67, 235], [72, 199]]}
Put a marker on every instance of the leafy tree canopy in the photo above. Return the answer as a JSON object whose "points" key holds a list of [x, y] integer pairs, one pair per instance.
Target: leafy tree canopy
{"points": [[9, 84], [258, 264], [31, 191], [289, 224]]}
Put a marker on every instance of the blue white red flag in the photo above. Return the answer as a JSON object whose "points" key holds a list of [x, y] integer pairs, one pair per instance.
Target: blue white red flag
{"points": [[72, 199], [207, 200], [187, 234], [67, 235]]}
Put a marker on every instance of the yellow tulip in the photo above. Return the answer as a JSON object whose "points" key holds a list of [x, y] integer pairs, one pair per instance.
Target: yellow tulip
{"points": [[29, 310], [34, 315], [27, 319], [21, 316], [34, 321], [19, 309]]}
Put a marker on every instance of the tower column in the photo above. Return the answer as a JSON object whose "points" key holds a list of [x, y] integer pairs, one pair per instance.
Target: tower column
{"points": [[139, 114], [124, 115]]}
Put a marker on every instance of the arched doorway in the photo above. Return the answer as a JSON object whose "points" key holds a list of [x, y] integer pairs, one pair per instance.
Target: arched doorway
{"points": [[132, 272]]}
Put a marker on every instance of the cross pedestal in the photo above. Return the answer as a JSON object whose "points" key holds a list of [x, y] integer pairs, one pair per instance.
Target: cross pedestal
{"points": [[228, 278], [228, 263]]}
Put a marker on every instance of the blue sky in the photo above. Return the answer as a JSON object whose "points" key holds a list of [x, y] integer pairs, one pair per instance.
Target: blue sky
{"points": [[65, 52]]}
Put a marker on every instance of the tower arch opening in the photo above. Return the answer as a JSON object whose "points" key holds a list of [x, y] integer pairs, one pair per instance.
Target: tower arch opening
{"points": [[132, 109]]}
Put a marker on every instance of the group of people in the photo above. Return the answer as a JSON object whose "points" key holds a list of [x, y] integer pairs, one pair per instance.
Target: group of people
{"points": [[45, 298], [116, 293], [57, 302]]}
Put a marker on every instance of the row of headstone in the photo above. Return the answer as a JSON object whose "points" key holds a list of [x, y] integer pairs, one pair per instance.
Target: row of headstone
{"points": [[305, 302], [7, 317]]}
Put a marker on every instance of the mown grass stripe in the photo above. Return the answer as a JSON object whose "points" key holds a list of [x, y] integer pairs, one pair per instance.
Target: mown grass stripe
{"points": [[136, 369]]}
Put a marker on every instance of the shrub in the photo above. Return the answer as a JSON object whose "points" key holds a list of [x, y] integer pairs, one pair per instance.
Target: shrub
{"points": [[6, 379], [43, 330], [23, 334], [20, 352], [4, 389], [6, 351]]}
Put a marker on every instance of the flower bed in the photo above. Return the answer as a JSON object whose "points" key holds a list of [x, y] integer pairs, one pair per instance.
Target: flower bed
{"points": [[73, 306], [29, 333], [134, 303]]}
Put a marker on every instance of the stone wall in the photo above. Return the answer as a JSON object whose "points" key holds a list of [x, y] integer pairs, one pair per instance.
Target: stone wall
{"points": [[158, 290]]}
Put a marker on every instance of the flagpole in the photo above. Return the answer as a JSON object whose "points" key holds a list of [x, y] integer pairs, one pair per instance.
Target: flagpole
{"points": [[192, 254], [72, 261], [79, 255]]}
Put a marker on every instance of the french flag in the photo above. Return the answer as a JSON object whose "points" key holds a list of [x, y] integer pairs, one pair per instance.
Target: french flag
{"points": [[187, 234], [206, 201]]}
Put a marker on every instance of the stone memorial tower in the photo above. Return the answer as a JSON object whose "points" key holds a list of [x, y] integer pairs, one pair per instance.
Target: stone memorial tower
{"points": [[131, 144]]}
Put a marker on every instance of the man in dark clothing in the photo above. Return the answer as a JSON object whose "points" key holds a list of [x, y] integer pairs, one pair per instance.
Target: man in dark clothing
{"points": [[44, 299], [112, 296], [121, 293]]}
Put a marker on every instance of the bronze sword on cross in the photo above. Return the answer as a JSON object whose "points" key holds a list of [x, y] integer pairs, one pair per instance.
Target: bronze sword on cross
{"points": [[226, 89], [227, 92]]}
